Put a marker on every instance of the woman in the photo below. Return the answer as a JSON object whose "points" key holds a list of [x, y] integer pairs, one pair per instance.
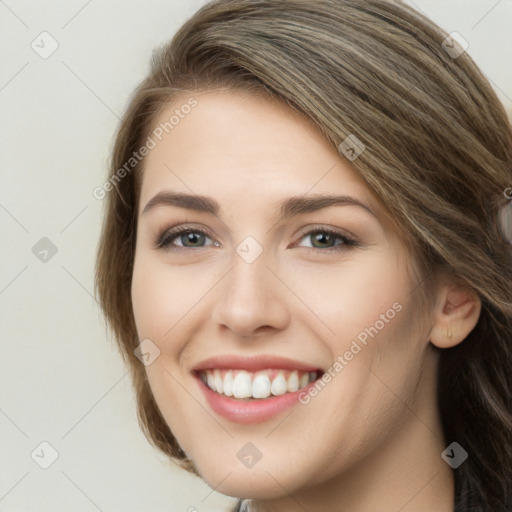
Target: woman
{"points": [[305, 263]]}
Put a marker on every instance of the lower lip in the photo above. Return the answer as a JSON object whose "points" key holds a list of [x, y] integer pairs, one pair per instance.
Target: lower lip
{"points": [[249, 411]]}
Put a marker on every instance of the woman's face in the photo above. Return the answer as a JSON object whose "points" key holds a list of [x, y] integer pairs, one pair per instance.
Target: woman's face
{"points": [[271, 287]]}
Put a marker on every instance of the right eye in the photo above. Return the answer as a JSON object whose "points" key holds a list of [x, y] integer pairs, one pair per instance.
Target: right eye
{"points": [[190, 238]]}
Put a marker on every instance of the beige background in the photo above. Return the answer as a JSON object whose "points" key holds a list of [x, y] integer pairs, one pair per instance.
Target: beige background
{"points": [[61, 381]]}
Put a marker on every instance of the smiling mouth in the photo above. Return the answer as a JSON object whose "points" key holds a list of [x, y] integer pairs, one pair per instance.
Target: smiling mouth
{"points": [[242, 384]]}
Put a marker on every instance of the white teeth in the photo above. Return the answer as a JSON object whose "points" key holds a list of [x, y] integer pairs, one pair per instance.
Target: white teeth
{"points": [[209, 380], [261, 386], [217, 381], [278, 385], [242, 385], [228, 384], [293, 382]]}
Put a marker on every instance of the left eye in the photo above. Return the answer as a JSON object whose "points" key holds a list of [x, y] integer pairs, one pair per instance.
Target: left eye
{"points": [[328, 237], [194, 238]]}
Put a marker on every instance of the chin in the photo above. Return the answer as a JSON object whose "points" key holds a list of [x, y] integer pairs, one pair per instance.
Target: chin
{"points": [[250, 483]]}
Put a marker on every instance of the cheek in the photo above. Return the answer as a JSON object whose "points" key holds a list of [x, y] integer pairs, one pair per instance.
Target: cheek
{"points": [[364, 401], [163, 303], [344, 300], [173, 403], [370, 311], [161, 295]]}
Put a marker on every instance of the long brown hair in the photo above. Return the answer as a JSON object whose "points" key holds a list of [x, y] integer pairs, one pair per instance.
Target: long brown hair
{"points": [[438, 154]]}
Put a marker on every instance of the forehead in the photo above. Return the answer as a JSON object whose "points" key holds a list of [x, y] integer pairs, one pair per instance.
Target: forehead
{"points": [[234, 138]]}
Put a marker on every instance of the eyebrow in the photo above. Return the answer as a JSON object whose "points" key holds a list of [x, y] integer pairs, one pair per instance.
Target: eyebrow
{"points": [[290, 207]]}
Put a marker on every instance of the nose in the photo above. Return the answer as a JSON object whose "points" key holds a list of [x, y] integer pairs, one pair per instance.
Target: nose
{"points": [[251, 300]]}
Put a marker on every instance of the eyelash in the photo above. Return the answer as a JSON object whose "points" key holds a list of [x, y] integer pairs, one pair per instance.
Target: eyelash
{"points": [[165, 239]]}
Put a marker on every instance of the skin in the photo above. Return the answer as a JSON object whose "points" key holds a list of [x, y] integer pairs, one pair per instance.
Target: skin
{"points": [[371, 439]]}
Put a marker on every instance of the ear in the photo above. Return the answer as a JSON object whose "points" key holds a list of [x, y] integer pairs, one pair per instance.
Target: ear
{"points": [[455, 314]]}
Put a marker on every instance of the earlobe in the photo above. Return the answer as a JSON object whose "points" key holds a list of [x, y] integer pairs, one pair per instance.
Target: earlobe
{"points": [[456, 313], [448, 333]]}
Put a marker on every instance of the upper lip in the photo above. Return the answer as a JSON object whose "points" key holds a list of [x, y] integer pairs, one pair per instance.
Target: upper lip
{"points": [[253, 363]]}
